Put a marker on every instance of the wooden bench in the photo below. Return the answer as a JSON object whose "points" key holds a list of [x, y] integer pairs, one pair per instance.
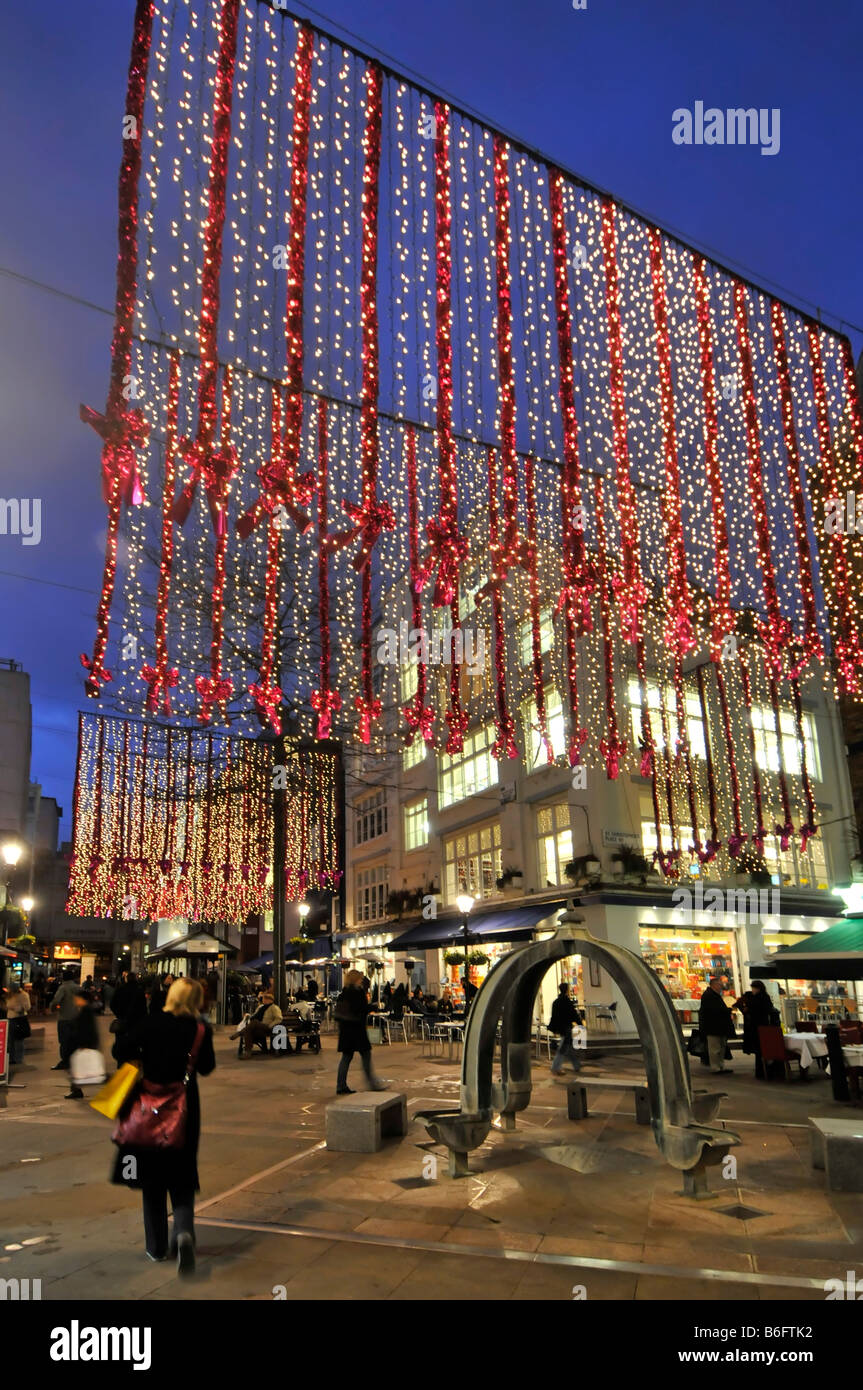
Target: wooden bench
{"points": [[359, 1124], [837, 1149], [705, 1104]]}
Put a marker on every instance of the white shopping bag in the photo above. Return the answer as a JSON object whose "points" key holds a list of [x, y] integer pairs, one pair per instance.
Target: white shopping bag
{"points": [[87, 1067]]}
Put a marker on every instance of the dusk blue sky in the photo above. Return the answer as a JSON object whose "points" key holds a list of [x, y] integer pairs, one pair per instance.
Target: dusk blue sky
{"points": [[594, 89]]}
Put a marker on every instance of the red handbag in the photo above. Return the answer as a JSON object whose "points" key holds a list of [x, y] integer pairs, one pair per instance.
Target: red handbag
{"points": [[158, 1113]]}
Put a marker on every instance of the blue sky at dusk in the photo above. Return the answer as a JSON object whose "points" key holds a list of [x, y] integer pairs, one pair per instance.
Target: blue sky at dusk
{"points": [[594, 89]]}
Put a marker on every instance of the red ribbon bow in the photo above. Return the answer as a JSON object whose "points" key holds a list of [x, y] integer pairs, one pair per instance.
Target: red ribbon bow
{"points": [[806, 833], [613, 750], [369, 711], [458, 722], [678, 634], [279, 489], [504, 745], [576, 743], [267, 700], [213, 691], [327, 703], [98, 675], [448, 550], [735, 844], [785, 833], [121, 434], [159, 678], [369, 523], [420, 719], [216, 467]]}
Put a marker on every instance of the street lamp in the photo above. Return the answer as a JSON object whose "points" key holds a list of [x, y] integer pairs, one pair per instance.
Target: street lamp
{"points": [[28, 904], [464, 902]]}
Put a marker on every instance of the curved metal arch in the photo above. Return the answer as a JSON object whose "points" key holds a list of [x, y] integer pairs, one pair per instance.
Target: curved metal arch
{"points": [[508, 993]]}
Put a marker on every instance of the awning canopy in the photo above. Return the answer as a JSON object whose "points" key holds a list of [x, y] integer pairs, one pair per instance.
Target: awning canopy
{"points": [[834, 954], [197, 943], [518, 924]]}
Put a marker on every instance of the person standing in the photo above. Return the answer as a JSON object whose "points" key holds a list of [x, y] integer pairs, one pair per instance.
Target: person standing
{"points": [[67, 1013], [164, 1043], [758, 1012], [17, 1008], [564, 1015], [352, 1010], [715, 1025]]}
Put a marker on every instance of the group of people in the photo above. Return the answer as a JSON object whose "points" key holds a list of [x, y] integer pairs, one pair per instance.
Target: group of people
{"points": [[716, 1023]]}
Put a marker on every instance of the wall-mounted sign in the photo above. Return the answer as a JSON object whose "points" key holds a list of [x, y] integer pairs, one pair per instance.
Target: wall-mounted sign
{"points": [[613, 839]]}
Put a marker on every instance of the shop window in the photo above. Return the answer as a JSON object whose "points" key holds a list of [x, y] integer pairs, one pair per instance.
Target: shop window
{"points": [[694, 721], [793, 866], [416, 823], [370, 817], [554, 837], [685, 962], [471, 771], [525, 636], [767, 745], [371, 889], [536, 753], [472, 862]]}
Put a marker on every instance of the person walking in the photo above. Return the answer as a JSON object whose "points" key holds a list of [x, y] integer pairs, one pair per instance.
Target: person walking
{"points": [[758, 1012], [83, 1034], [67, 1012], [352, 1009], [17, 1003], [715, 1025], [129, 1007], [564, 1015], [170, 1046]]}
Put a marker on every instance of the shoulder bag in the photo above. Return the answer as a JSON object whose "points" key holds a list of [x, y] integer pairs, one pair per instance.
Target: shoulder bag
{"points": [[158, 1114]]}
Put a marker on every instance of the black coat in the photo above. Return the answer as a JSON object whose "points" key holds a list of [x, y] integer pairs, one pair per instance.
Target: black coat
{"points": [[714, 1016], [563, 1015], [84, 1030], [129, 1003], [161, 1043], [758, 1012], [352, 1009]]}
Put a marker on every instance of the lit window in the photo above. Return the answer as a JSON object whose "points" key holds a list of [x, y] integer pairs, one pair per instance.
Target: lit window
{"points": [[767, 748], [371, 893], [472, 862], [795, 867], [694, 721], [471, 771], [416, 823], [408, 681], [555, 724], [413, 753], [525, 636], [370, 817], [554, 836]]}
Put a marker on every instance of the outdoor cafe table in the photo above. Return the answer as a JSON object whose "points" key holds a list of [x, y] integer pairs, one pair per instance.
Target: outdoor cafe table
{"points": [[807, 1046], [453, 1030]]}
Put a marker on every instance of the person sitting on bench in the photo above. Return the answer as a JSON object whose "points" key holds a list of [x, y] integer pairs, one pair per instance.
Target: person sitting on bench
{"points": [[261, 1024]]}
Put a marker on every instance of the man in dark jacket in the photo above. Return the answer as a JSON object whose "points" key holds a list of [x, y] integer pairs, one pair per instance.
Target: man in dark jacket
{"points": [[564, 1015], [715, 1025]]}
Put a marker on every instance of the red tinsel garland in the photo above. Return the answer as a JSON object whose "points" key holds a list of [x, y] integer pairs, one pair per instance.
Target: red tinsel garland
{"points": [[506, 383], [714, 844], [160, 679], [776, 630], [723, 621], [786, 830], [216, 688], [325, 701], [811, 646], [122, 431], [504, 745], [533, 587], [611, 745], [629, 586], [678, 633], [579, 578], [420, 716], [266, 692]]}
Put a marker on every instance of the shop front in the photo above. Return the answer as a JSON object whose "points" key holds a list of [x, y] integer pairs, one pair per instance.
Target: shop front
{"points": [[686, 961]]}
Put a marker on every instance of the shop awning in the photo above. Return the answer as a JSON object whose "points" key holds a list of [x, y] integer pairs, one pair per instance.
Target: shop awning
{"points": [[198, 943], [518, 924], [834, 954]]}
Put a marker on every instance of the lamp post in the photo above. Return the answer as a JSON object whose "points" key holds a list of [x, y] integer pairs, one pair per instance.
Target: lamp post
{"points": [[464, 902]]}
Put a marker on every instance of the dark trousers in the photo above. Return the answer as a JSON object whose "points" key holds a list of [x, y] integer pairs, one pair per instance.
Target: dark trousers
{"points": [[65, 1039], [345, 1061], [565, 1053], [156, 1214]]}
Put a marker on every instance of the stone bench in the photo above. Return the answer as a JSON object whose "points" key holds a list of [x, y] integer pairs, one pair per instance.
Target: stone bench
{"points": [[705, 1104], [837, 1149], [359, 1124]]}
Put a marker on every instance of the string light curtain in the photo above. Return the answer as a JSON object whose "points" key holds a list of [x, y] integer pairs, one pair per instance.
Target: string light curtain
{"points": [[353, 315]]}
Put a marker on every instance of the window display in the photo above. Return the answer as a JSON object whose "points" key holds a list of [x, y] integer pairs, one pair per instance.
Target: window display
{"points": [[685, 962]]}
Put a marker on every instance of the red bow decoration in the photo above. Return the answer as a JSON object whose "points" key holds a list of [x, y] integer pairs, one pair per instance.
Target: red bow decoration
{"points": [[806, 833], [159, 678], [576, 743], [279, 489], [98, 675], [267, 699], [758, 838], [216, 467], [668, 862], [327, 703], [369, 711], [505, 745], [580, 581], [213, 691], [420, 718], [735, 844], [369, 523], [631, 597], [785, 833], [458, 722], [448, 550], [647, 763], [710, 851], [678, 634], [121, 435], [612, 750]]}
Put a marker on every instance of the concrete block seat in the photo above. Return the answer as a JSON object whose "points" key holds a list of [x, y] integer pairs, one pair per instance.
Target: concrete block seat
{"points": [[837, 1148], [359, 1124]]}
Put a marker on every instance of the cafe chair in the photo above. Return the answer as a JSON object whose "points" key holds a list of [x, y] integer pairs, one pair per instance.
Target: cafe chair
{"points": [[772, 1046], [850, 1034], [608, 1014]]}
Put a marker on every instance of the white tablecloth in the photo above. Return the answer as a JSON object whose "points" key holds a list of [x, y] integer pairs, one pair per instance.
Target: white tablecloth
{"points": [[853, 1055], [808, 1046], [687, 1005]]}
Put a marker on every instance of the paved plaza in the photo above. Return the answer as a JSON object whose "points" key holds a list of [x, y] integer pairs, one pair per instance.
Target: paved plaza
{"points": [[551, 1209]]}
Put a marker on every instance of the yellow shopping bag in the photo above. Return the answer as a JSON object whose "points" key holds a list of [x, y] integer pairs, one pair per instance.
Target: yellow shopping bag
{"points": [[110, 1098]]}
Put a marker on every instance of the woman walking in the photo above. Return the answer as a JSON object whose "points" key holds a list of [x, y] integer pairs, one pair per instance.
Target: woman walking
{"points": [[352, 1009], [170, 1045]]}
